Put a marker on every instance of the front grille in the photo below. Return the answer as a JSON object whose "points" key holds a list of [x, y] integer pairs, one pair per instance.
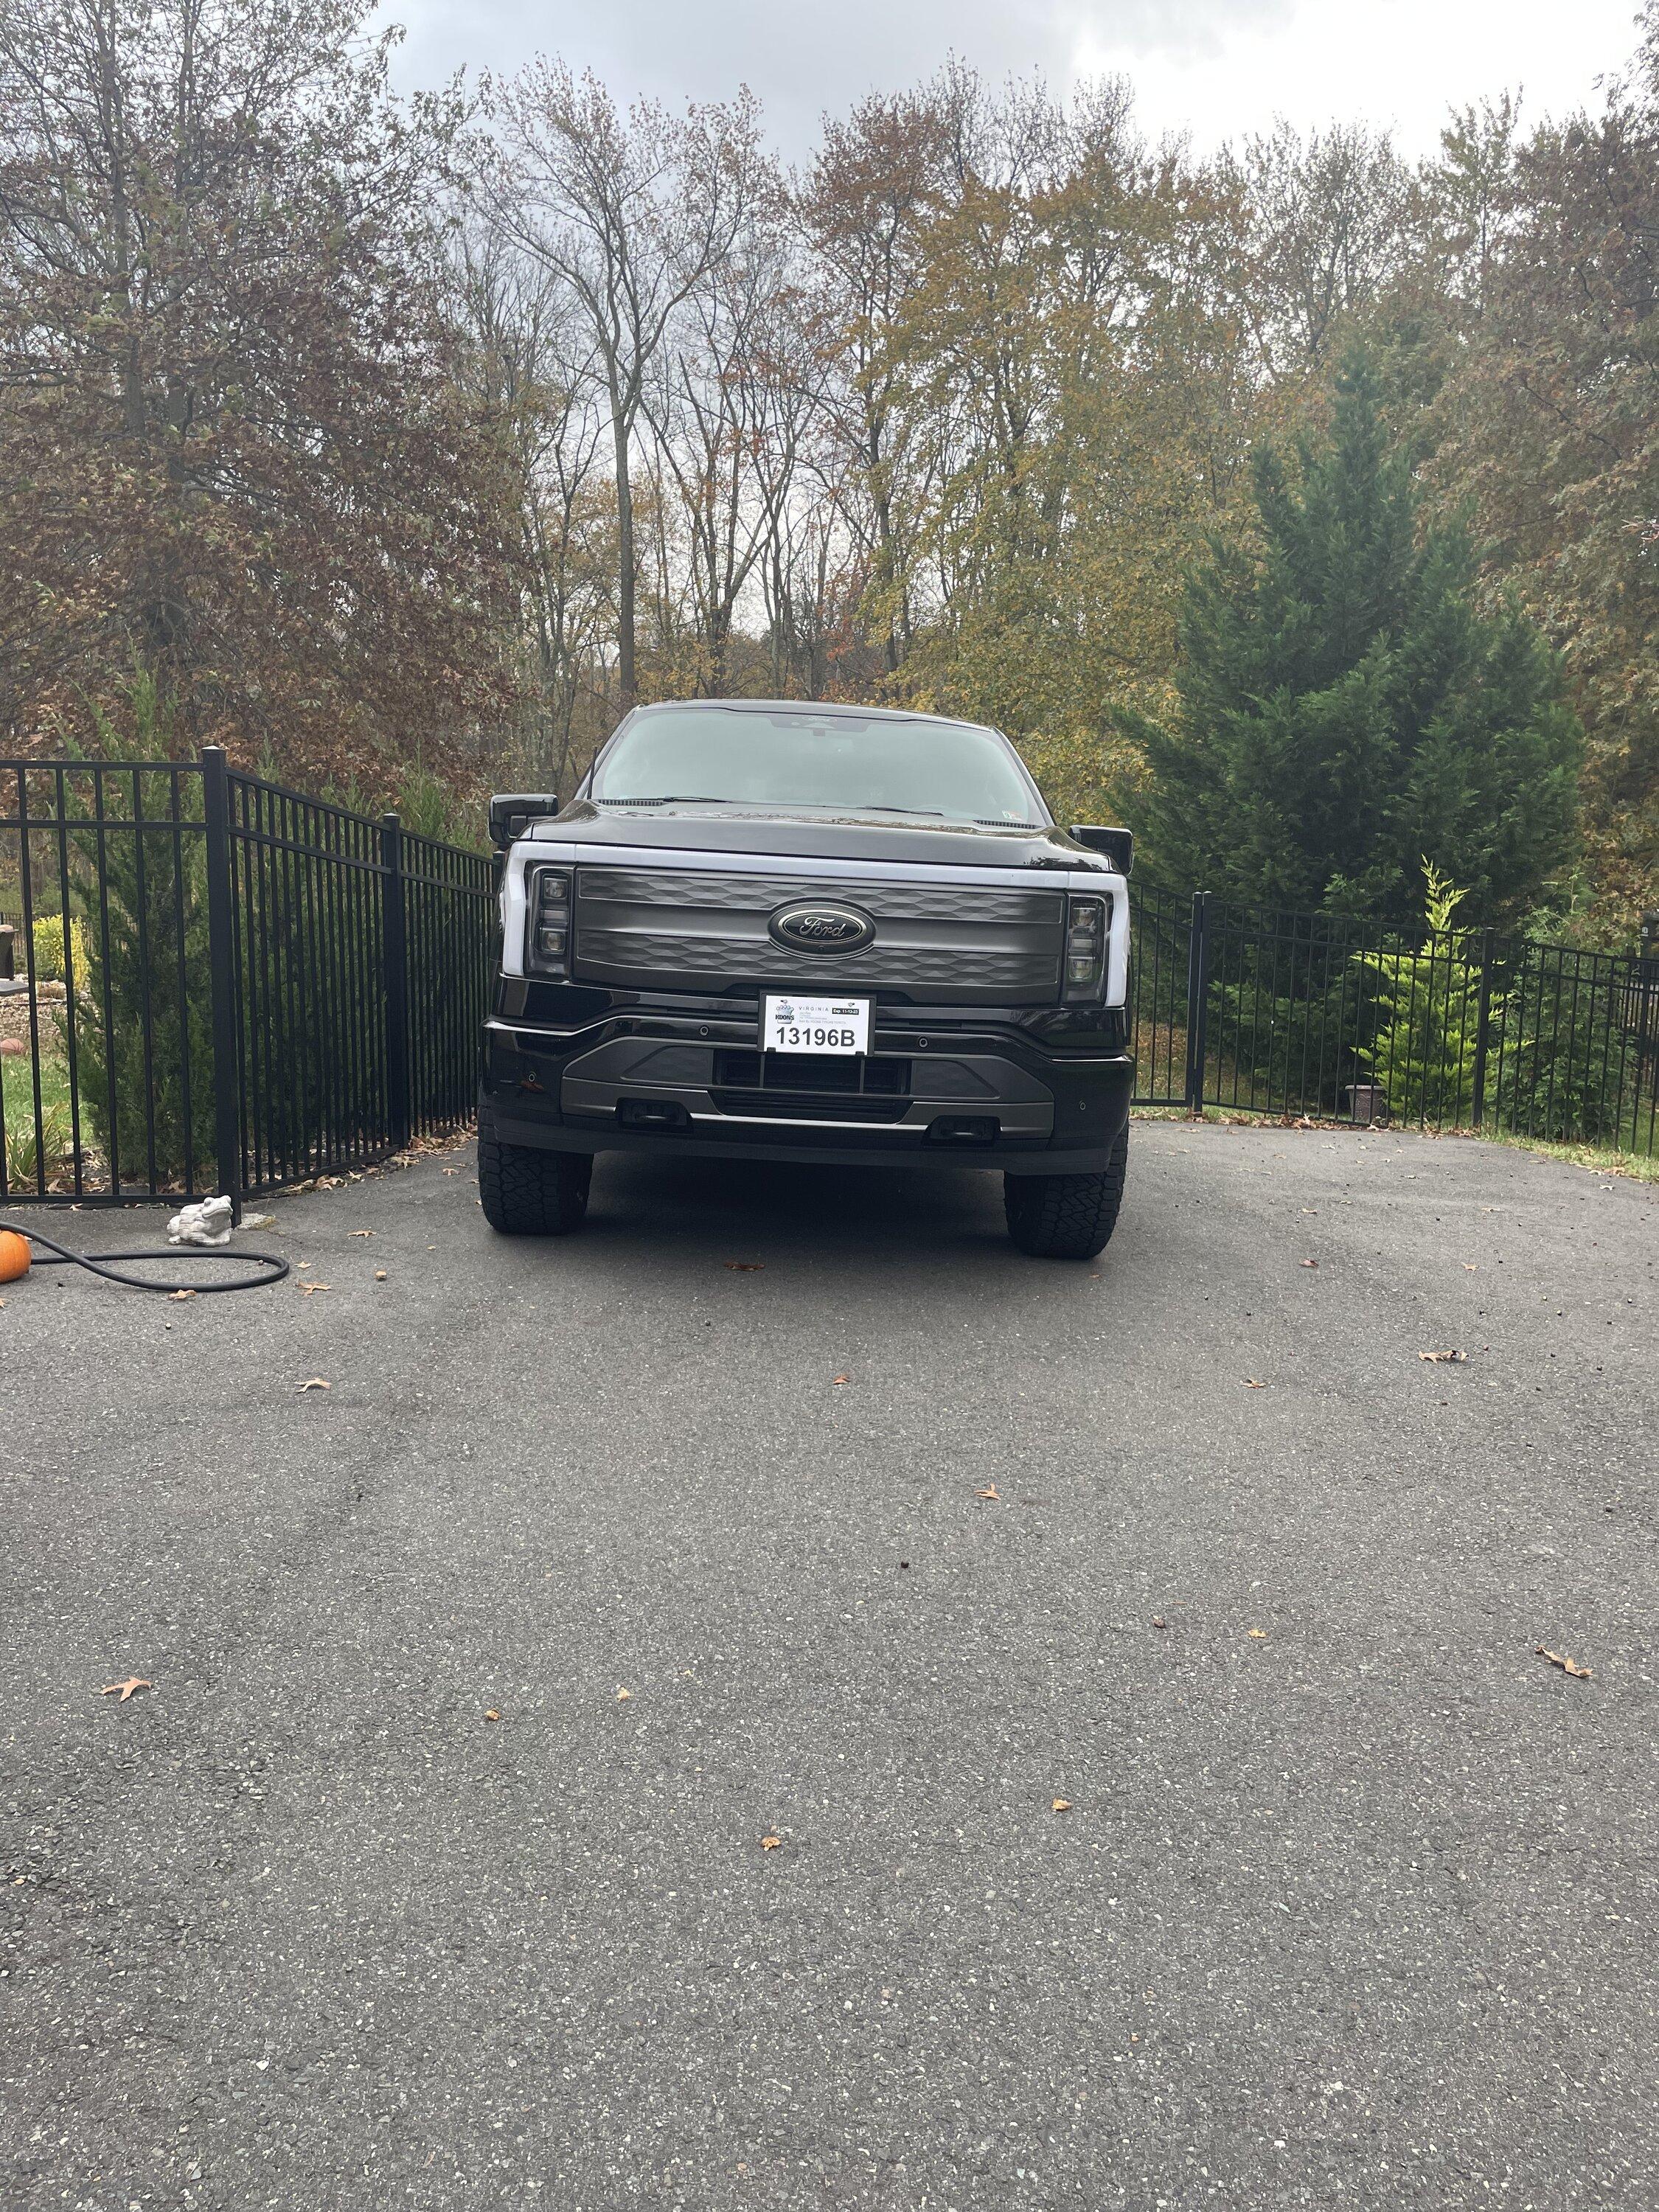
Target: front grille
{"points": [[706, 929], [816, 1072], [802, 1106]]}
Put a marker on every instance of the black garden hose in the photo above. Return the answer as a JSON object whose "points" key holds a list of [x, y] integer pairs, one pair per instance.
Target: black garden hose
{"points": [[103, 1263]]}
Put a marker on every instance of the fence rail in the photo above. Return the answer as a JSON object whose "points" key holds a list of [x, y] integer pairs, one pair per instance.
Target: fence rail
{"points": [[225, 985]]}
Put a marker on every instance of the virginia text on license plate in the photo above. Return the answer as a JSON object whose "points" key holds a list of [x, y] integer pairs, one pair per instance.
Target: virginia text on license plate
{"points": [[796, 1025]]}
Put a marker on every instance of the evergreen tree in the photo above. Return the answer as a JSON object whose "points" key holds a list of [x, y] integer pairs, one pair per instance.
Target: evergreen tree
{"points": [[141, 1013], [1347, 709]]}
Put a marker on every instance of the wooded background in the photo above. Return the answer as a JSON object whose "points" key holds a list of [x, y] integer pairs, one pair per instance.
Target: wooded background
{"points": [[1298, 506]]}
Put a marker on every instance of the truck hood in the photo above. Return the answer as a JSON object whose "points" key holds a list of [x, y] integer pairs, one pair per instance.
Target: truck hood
{"points": [[813, 833]]}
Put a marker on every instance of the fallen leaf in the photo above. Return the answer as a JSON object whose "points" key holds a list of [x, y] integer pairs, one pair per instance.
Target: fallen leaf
{"points": [[310, 1290], [771, 1843], [1260, 1634], [1062, 1805], [449, 1171], [623, 1694], [1457, 1358], [133, 1682], [173, 1297], [492, 1715], [316, 1383], [380, 1274], [1309, 1263], [840, 1379], [1471, 1267], [1556, 1659], [992, 1493], [1250, 1383], [746, 1266], [1158, 1621], [363, 1232]]}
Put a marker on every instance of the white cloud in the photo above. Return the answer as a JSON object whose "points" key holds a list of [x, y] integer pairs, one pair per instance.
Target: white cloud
{"points": [[1218, 68], [1402, 63]]}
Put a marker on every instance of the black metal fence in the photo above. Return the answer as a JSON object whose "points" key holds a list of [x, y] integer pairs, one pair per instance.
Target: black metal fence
{"points": [[1298, 1014], [221, 985]]}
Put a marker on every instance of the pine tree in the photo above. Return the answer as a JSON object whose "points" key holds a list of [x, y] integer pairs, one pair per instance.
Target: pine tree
{"points": [[1347, 708], [142, 1028]]}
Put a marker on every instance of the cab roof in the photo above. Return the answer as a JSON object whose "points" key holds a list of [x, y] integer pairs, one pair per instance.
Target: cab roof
{"points": [[818, 708]]}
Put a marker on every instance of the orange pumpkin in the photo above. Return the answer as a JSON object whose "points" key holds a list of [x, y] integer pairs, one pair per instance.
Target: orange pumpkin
{"points": [[14, 1255]]}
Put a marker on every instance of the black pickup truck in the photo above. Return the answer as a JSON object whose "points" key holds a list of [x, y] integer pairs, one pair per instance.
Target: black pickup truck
{"points": [[765, 929]]}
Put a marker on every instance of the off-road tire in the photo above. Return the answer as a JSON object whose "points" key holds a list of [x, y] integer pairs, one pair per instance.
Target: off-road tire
{"points": [[527, 1192], [1067, 1217]]}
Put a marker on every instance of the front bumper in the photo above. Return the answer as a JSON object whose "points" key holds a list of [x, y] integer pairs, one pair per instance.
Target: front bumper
{"points": [[666, 1072]]}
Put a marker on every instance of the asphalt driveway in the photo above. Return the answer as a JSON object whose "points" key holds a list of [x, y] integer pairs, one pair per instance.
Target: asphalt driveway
{"points": [[430, 1870]]}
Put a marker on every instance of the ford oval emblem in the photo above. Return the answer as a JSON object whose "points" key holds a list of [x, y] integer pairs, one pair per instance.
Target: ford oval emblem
{"points": [[814, 928]]}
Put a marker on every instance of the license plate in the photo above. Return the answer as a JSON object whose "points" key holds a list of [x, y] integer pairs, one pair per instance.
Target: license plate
{"points": [[796, 1025]]}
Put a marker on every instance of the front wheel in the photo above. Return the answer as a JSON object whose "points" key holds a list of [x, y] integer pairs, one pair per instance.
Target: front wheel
{"points": [[1067, 1217], [527, 1192]]}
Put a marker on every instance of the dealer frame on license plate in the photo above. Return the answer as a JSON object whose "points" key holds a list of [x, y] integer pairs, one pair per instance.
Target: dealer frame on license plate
{"points": [[794, 1021]]}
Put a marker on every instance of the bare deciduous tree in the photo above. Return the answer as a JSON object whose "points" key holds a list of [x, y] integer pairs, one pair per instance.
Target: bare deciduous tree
{"points": [[726, 414], [1327, 223], [632, 212], [530, 362]]}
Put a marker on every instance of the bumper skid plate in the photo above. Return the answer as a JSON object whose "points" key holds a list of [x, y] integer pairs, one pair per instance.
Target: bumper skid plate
{"points": [[633, 1091]]}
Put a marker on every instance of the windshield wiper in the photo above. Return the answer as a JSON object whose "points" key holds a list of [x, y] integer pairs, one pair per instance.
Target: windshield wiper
{"points": [[673, 799], [874, 807]]}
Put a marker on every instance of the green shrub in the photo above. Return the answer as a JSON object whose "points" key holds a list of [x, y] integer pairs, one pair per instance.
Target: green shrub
{"points": [[428, 808], [24, 1151], [1566, 1069], [20, 1151], [46, 950], [1280, 1051], [1428, 1017]]}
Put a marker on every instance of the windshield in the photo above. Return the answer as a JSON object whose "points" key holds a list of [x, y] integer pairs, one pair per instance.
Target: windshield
{"points": [[787, 756]]}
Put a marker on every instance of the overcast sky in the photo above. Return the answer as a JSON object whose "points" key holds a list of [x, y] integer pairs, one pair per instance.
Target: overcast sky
{"points": [[1215, 68]]}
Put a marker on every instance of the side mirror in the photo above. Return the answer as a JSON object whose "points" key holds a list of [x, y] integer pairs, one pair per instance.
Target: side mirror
{"points": [[512, 812], [1117, 845]]}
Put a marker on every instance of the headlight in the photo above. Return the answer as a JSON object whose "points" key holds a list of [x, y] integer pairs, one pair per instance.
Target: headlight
{"points": [[547, 922], [1085, 947]]}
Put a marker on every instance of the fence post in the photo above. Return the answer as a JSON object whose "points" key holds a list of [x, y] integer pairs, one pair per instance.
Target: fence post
{"points": [[1198, 1001], [395, 959], [222, 977], [1482, 1030]]}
